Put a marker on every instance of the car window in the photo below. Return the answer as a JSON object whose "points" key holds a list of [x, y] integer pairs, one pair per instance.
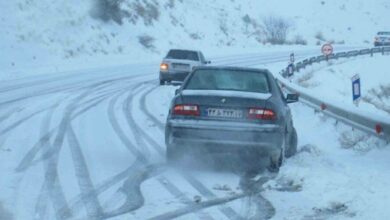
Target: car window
{"points": [[384, 33], [183, 55], [236, 80]]}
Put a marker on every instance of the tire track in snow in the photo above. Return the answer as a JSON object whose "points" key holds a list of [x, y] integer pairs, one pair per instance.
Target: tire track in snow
{"points": [[22, 120], [51, 182], [197, 207], [91, 202], [28, 159], [42, 201], [143, 161]]}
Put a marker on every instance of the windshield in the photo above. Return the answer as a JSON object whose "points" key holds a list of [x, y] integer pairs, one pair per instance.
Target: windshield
{"points": [[183, 55], [236, 80]]}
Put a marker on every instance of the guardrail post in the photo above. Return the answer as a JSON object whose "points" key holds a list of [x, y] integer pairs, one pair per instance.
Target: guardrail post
{"points": [[372, 52], [378, 129], [383, 51]]}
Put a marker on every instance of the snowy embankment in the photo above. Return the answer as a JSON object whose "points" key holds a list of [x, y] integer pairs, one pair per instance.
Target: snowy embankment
{"points": [[333, 81], [48, 36]]}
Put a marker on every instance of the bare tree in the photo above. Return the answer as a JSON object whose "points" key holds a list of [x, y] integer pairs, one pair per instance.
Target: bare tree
{"points": [[107, 10], [276, 29]]}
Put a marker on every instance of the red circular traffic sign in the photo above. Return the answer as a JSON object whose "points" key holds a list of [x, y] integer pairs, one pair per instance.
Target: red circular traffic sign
{"points": [[327, 49]]}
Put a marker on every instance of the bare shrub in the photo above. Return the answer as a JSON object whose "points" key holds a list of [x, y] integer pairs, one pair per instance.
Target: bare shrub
{"points": [[298, 39], [108, 10], [379, 97], [341, 42], [195, 36], [276, 29], [148, 11], [146, 41], [360, 141], [170, 4], [320, 36]]}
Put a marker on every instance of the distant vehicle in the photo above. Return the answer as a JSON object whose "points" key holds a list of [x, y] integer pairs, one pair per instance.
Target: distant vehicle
{"points": [[240, 111], [382, 39], [179, 63]]}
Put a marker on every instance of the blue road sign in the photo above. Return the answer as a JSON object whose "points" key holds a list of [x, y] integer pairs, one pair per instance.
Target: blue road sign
{"points": [[356, 93], [290, 69]]}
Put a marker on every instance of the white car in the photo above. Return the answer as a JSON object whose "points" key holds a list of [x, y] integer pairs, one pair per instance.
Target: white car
{"points": [[177, 64], [382, 39]]}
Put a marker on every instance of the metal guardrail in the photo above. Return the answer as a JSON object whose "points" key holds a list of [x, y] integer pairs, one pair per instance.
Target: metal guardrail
{"points": [[358, 119]]}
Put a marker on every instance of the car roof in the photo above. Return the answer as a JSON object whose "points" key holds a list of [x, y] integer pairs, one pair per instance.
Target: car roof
{"points": [[248, 69], [184, 50]]}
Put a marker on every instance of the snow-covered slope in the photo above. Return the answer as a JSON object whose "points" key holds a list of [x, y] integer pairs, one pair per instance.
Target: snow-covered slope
{"points": [[52, 35], [333, 82]]}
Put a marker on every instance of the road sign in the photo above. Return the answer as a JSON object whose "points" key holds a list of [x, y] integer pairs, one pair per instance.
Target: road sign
{"points": [[356, 92], [292, 57], [290, 69], [327, 49]]}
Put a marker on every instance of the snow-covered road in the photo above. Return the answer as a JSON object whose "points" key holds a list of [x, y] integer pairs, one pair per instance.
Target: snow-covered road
{"points": [[90, 145]]}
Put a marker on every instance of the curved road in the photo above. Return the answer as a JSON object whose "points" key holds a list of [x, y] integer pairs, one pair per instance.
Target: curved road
{"points": [[90, 145]]}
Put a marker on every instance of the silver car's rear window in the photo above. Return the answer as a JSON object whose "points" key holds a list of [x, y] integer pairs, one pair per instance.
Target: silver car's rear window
{"points": [[183, 55], [236, 80]]}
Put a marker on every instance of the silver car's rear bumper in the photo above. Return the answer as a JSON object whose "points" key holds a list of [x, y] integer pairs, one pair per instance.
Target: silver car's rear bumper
{"points": [[220, 136], [173, 76]]}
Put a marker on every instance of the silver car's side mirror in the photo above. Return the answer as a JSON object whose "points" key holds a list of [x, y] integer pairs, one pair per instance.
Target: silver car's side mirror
{"points": [[291, 98]]}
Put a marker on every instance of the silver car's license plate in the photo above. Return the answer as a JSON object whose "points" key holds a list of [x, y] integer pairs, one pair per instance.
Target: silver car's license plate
{"points": [[181, 66], [224, 113]]}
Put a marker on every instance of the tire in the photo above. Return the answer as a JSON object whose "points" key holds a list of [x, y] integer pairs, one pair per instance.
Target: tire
{"points": [[276, 163], [291, 149], [162, 82]]}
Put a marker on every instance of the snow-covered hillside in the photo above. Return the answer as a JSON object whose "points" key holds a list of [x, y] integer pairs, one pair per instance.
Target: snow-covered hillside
{"points": [[53, 36], [333, 82]]}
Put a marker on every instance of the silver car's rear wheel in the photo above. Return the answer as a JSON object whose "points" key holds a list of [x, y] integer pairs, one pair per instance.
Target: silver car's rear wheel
{"points": [[292, 144], [276, 162]]}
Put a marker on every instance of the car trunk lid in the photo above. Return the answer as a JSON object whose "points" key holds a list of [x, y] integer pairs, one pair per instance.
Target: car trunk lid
{"points": [[224, 105]]}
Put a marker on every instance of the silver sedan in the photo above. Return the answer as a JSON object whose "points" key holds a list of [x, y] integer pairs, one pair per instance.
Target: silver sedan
{"points": [[231, 111]]}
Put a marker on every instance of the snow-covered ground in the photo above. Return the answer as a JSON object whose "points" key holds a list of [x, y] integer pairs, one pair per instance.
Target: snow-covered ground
{"points": [[92, 146], [50, 36], [333, 82], [82, 118]]}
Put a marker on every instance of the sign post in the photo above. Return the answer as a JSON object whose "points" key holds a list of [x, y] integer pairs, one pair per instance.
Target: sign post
{"points": [[327, 49], [290, 67], [356, 89], [292, 57]]}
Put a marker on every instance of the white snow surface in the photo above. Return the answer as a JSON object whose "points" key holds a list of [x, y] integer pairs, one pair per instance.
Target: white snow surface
{"points": [[82, 118], [332, 82], [70, 149]]}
